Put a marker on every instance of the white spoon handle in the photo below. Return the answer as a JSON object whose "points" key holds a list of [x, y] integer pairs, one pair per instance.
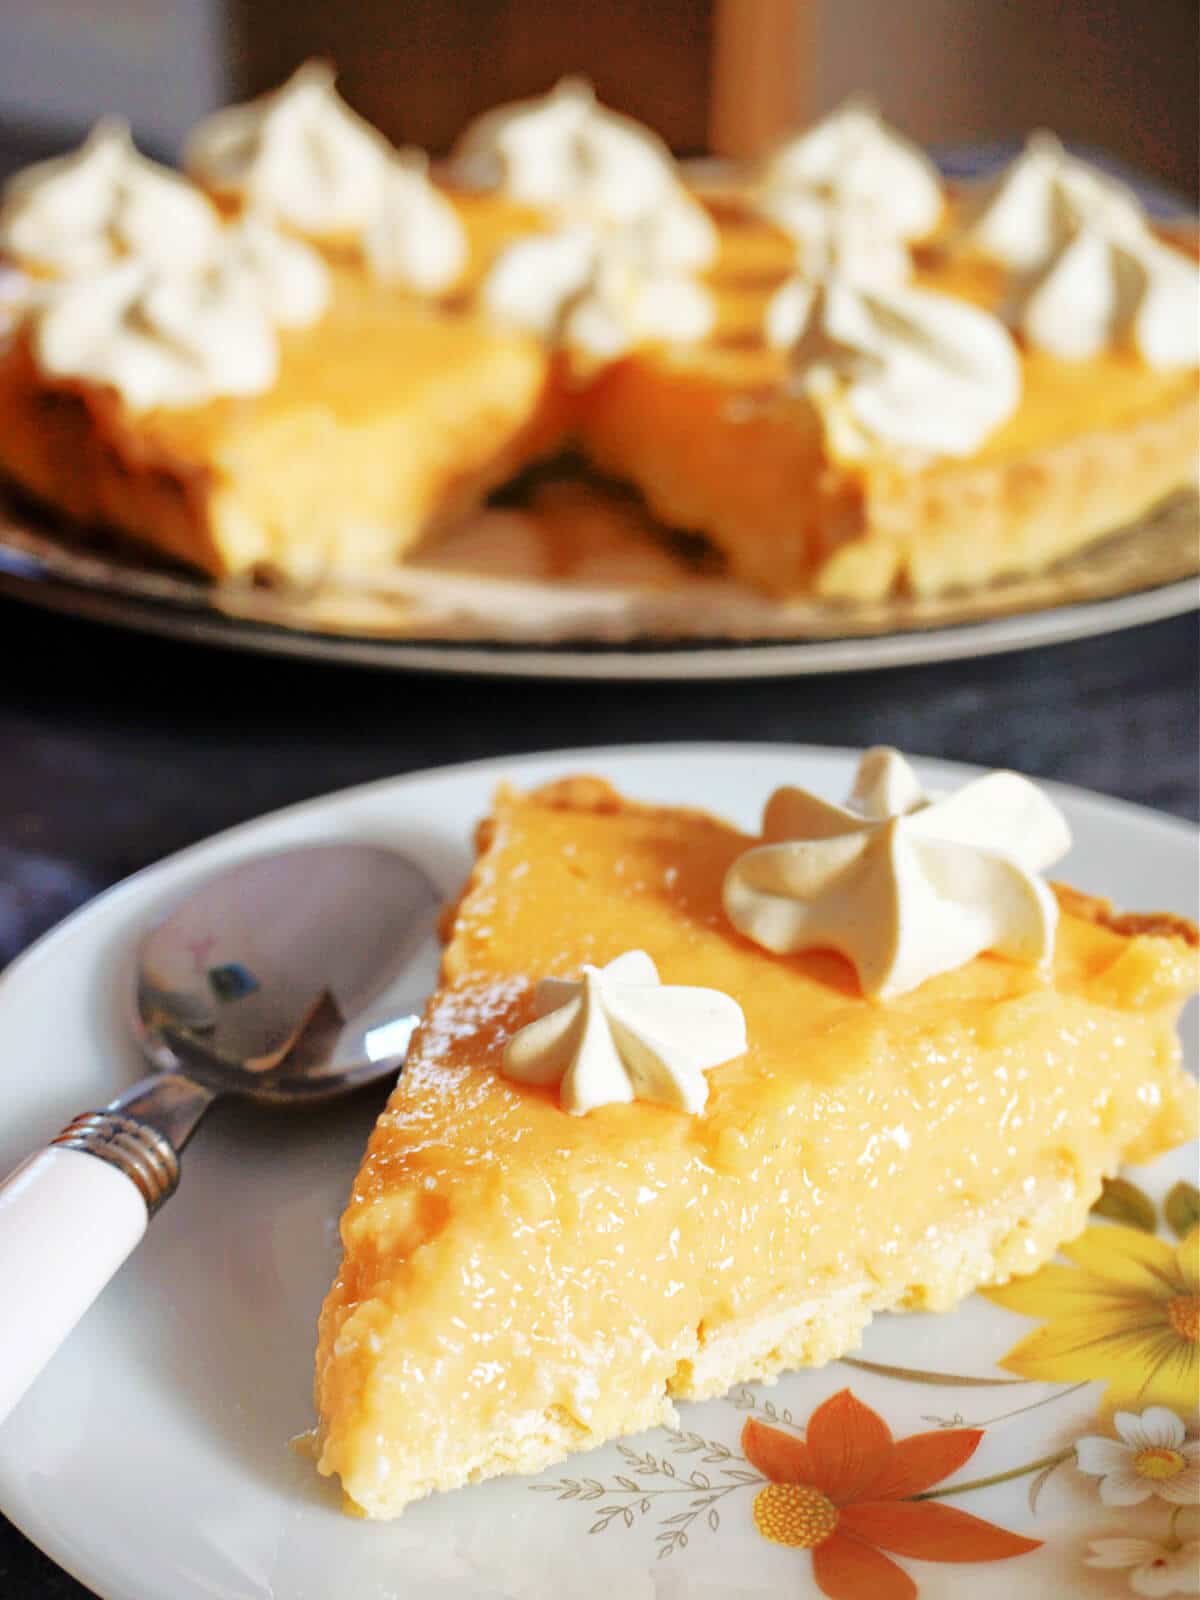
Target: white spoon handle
{"points": [[69, 1216]]}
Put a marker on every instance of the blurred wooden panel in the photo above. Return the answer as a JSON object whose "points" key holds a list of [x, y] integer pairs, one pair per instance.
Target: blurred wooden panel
{"points": [[761, 73], [1117, 74], [420, 69]]}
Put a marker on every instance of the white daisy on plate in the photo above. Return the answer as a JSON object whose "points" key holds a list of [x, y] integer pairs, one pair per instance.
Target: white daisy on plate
{"points": [[1156, 1568], [1152, 1456]]}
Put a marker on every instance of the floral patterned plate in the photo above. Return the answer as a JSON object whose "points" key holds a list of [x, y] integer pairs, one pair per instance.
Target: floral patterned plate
{"points": [[1040, 1442]]}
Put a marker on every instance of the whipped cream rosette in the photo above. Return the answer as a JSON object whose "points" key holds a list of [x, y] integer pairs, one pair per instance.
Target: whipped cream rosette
{"points": [[619, 1034], [903, 884], [852, 159], [182, 336], [851, 194], [593, 294], [1033, 207], [1087, 271], [102, 204], [298, 156], [566, 154], [896, 366], [1111, 287], [158, 339], [415, 238]]}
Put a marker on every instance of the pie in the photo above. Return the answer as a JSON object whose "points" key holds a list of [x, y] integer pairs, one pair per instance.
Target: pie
{"points": [[519, 1283], [719, 444], [417, 387], [292, 386]]}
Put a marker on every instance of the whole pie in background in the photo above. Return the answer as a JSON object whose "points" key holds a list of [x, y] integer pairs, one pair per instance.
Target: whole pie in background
{"points": [[309, 355]]}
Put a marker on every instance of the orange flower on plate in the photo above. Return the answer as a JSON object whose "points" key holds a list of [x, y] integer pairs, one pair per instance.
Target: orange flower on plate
{"points": [[846, 1492]]}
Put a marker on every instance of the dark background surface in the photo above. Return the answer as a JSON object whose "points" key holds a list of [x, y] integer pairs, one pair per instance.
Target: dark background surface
{"points": [[116, 750]]}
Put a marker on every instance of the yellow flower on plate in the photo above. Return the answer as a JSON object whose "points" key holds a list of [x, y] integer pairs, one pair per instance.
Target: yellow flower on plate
{"points": [[1127, 1313]]}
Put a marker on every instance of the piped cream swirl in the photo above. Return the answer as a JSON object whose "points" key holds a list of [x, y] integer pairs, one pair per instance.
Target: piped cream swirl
{"points": [[1033, 208], [620, 1034], [415, 238], [182, 337], [298, 156], [170, 340], [852, 161], [1087, 272], [904, 885], [593, 295], [102, 204], [1109, 289], [566, 154], [896, 366]]}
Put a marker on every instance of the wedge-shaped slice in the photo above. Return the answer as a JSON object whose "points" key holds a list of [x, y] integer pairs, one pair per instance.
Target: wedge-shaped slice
{"points": [[519, 1283], [388, 417]]}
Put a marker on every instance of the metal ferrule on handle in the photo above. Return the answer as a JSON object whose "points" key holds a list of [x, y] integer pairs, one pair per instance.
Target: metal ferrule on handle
{"points": [[143, 1154]]}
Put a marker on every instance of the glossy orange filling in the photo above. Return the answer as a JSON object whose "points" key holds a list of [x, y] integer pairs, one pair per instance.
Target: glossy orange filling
{"points": [[507, 1263]]}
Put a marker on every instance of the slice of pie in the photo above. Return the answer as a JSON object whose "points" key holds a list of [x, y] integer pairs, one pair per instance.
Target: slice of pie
{"points": [[387, 417], [519, 1282], [278, 381]]}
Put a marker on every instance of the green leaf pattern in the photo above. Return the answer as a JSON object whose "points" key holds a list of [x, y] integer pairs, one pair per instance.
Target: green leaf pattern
{"points": [[1182, 1208], [1122, 1201]]}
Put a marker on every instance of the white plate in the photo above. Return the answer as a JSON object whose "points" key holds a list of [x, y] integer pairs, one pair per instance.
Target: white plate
{"points": [[151, 1459]]}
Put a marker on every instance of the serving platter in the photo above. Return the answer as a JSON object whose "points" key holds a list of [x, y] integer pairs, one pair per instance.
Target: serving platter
{"points": [[511, 594]]}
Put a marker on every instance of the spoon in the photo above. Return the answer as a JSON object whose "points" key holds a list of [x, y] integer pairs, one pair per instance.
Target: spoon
{"points": [[287, 979]]}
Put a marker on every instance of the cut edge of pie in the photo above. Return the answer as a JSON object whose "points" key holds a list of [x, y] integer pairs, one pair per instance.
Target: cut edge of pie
{"points": [[1014, 1240], [749, 471]]}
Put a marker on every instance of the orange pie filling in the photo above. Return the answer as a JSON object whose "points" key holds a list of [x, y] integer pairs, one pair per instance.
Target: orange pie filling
{"points": [[519, 1283]]}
